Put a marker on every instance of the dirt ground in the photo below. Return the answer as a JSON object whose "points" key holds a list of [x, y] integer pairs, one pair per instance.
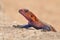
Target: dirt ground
{"points": [[46, 10]]}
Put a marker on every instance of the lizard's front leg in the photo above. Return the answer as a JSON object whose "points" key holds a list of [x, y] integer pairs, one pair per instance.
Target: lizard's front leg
{"points": [[22, 26]]}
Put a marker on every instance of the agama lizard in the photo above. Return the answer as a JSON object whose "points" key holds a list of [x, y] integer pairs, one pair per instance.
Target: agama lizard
{"points": [[33, 21]]}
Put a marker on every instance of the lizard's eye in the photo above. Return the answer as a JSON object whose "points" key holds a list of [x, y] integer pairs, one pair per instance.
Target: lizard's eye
{"points": [[26, 10]]}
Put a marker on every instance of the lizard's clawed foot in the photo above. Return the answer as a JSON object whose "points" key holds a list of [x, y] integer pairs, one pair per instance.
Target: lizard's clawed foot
{"points": [[45, 29], [17, 26]]}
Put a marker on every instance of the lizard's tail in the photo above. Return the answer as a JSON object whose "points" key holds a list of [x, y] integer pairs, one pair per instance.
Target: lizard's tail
{"points": [[52, 29]]}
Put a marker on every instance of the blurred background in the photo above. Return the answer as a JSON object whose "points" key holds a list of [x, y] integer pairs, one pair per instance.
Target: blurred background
{"points": [[47, 11]]}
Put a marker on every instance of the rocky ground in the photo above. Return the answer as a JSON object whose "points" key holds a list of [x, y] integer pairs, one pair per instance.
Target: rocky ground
{"points": [[11, 33]]}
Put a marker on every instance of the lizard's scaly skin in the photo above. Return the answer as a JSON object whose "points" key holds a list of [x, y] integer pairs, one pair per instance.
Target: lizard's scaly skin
{"points": [[34, 21]]}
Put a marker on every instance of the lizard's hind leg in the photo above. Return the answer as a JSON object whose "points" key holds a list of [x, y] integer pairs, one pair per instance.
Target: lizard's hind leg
{"points": [[48, 28]]}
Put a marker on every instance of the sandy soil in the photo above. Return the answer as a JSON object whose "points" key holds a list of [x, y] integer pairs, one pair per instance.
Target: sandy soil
{"points": [[9, 33]]}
